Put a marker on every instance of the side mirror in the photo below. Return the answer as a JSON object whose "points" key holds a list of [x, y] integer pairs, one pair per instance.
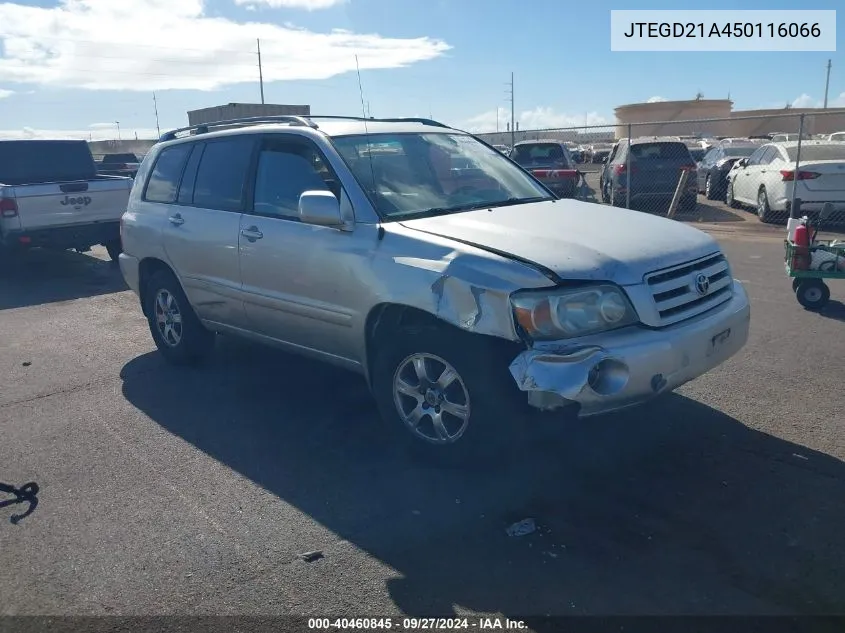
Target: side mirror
{"points": [[320, 207], [827, 211], [742, 162]]}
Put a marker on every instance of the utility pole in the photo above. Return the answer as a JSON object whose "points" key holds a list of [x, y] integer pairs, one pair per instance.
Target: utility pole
{"points": [[260, 71], [117, 123], [827, 84], [513, 115], [155, 105]]}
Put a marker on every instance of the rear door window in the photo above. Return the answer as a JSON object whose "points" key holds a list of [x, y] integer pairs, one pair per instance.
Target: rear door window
{"points": [[164, 181], [221, 178]]}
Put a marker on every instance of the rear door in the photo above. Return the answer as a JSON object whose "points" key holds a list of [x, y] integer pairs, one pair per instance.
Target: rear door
{"points": [[202, 219], [656, 167]]}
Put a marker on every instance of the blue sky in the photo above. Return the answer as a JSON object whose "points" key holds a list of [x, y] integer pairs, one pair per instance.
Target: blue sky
{"points": [[80, 65]]}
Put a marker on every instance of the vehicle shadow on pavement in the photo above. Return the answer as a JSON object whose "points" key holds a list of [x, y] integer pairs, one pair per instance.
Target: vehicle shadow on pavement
{"points": [[710, 211], [39, 276], [834, 310], [672, 508]]}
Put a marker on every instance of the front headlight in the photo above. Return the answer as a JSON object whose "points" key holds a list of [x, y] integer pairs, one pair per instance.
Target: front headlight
{"points": [[555, 314]]}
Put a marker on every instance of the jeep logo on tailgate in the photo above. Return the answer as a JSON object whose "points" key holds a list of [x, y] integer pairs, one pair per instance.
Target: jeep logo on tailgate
{"points": [[81, 201]]}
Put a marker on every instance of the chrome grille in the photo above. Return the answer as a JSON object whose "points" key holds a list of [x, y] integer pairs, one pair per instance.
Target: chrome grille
{"points": [[675, 291]]}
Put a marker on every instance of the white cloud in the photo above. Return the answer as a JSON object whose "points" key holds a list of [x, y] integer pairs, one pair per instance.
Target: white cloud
{"points": [[6, 93], [806, 101], [656, 99], [173, 44], [101, 134], [537, 119], [308, 5]]}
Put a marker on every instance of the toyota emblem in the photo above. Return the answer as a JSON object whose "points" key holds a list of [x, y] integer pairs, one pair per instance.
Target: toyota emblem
{"points": [[702, 284]]}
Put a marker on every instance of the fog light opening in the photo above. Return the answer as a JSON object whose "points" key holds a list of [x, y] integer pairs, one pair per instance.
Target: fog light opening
{"points": [[608, 377]]}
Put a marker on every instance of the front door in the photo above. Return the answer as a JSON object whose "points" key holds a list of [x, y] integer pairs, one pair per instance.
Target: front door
{"points": [[299, 280]]}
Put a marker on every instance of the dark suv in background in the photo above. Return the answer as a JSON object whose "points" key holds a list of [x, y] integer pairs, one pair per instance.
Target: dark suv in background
{"points": [[656, 165], [714, 167], [549, 162]]}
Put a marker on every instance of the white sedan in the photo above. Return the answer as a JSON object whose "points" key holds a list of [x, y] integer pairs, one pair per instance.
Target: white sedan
{"points": [[765, 179]]}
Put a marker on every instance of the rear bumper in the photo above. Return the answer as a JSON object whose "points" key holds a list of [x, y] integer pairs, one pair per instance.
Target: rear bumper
{"points": [[129, 268], [75, 236], [619, 369]]}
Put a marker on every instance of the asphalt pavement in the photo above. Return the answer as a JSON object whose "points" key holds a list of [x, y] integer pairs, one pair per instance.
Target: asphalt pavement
{"points": [[197, 491]]}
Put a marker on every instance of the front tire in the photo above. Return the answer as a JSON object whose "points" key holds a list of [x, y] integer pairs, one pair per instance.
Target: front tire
{"points": [[763, 210], [709, 189], [444, 395], [177, 331], [729, 197]]}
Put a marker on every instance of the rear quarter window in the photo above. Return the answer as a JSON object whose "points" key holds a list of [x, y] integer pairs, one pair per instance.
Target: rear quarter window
{"points": [[163, 184]]}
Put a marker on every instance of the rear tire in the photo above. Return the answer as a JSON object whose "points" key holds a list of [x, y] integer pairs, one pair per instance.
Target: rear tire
{"points": [[813, 294], [177, 331], [465, 403]]}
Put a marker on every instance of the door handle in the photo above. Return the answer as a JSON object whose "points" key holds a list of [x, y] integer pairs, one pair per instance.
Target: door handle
{"points": [[252, 233], [176, 219]]}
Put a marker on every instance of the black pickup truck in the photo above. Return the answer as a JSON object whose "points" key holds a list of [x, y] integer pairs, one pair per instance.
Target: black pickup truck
{"points": [[118, 165]]}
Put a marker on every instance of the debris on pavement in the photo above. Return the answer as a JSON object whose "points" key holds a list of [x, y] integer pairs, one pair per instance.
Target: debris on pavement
{"points": [[26, 363], [310, 557], [522, 528]]}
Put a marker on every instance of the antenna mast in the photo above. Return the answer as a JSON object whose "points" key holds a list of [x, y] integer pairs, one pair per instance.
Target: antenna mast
{"points": [[155, 105], [513, 116], [260, 71], [827, 84]]}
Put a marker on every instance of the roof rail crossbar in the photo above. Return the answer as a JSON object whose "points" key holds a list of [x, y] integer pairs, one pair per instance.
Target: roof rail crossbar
{"points": [[204, 128], [430, 122]]}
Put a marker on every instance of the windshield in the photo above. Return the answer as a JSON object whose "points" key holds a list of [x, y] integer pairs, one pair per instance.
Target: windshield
{"points": [[408, 175], [834, 151]]}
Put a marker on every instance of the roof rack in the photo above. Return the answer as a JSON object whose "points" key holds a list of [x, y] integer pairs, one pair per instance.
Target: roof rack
{"points": [[430, 122], [204, 128], [301, 120]]}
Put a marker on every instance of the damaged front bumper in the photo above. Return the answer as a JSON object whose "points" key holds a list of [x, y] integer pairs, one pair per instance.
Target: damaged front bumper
{"points": [[615, 370]]}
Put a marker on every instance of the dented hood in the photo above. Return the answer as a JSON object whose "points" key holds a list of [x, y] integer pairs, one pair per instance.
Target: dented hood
{"points": [[576, 240]]}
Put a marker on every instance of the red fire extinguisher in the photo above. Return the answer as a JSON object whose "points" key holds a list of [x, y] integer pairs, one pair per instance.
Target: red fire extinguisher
{"points": [[801, 252]]}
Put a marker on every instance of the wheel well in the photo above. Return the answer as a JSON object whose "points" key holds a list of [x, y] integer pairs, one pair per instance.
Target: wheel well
{"points": [[146, 269], [386, 319]]}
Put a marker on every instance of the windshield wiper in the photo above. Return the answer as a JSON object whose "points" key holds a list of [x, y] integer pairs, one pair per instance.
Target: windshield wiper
{"points": [[469, 206]]}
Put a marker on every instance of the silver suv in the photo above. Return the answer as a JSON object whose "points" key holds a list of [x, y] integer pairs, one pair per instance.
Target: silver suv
{"points": [[415, 254]]}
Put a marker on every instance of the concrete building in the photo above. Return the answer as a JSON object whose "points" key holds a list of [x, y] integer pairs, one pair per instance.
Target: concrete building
{"points": [[244, 110], [654, 115], [684, 118]]}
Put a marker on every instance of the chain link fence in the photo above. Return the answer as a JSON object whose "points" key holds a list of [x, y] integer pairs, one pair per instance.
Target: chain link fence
{"points": [[707, 170]]}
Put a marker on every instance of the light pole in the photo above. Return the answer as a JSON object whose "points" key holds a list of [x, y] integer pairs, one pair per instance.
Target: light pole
{"points": [[117, 123]]}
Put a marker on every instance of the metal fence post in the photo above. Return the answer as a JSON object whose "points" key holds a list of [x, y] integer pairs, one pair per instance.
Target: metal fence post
{"points": [[797, 163], [628, 170]]}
